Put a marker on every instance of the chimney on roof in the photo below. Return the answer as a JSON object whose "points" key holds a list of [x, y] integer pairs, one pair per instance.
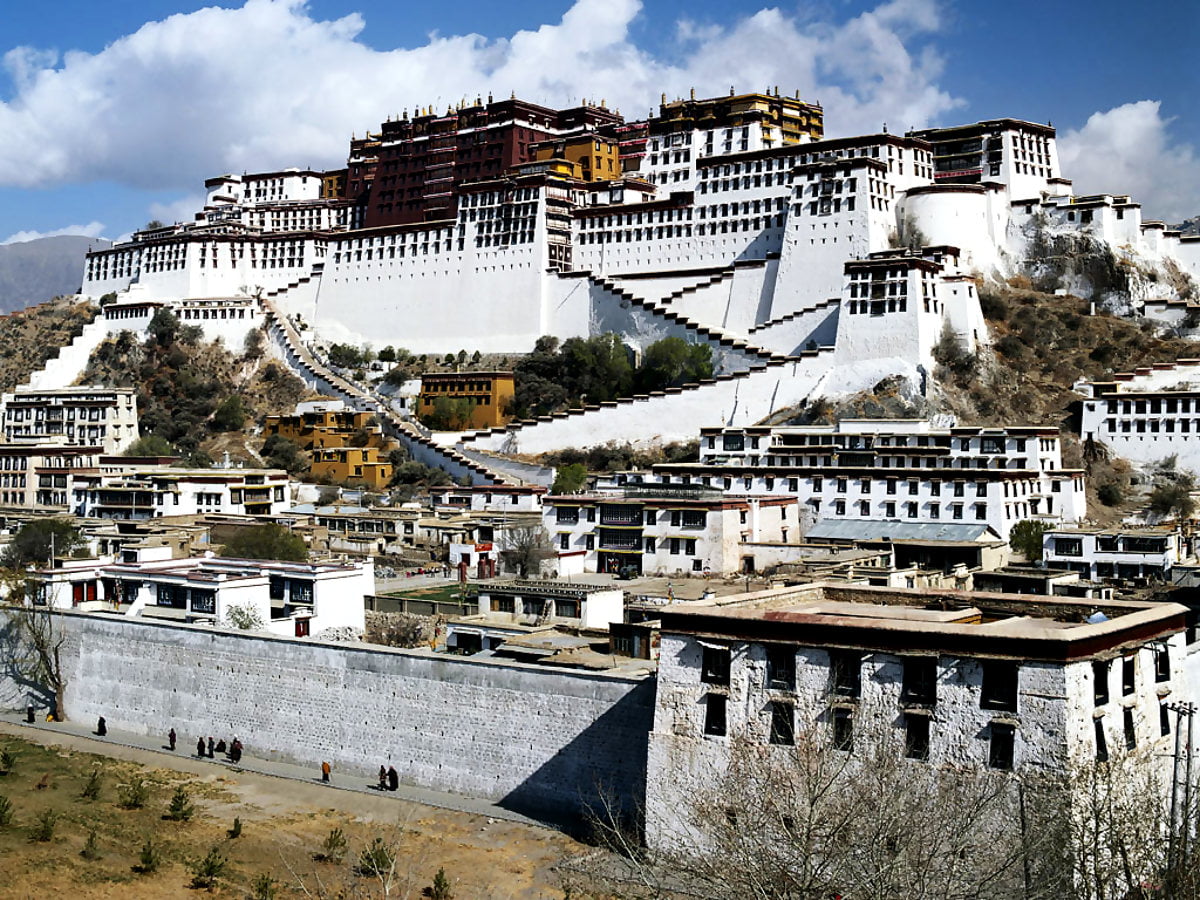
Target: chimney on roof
{"points": [[692, 96], [731, 90]]}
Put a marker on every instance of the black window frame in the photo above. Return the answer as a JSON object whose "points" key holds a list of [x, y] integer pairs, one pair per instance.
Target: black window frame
{"points": [[845, 674], [1002, 746], [918, 685], [781, 668], [714, 665], [1001, 685], [916, 736], [783, 723], [843, 729], [716, 722]]}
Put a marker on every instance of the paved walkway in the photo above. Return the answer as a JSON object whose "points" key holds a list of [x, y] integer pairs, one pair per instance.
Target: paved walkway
{"points": [[153, 749]]}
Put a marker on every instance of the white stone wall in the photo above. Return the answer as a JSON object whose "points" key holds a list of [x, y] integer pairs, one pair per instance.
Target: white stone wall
{"points": [[531, 739]]}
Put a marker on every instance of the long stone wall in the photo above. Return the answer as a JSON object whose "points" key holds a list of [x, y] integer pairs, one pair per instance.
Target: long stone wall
{"points": [[536, 741]]}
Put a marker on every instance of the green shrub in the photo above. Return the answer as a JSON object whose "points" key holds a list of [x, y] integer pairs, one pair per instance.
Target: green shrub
{"points": [[180, 808], [333, 849], [91, 788], [1026, 538], [1111, 493], [91, 850], [207, 871], [136, 794], [440, 889], [6, 811], [8, 759], [236, 830], [42, 829], [264, 887], [149, 858], [376, 860]]}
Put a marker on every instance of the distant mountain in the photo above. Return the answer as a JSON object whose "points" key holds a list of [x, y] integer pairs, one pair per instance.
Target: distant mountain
{"points": [[34, 271], [1190, 226]]}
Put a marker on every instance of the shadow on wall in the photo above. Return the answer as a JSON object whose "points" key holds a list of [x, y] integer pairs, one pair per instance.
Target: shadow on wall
{"points": [[20, 680], [604, 768]]}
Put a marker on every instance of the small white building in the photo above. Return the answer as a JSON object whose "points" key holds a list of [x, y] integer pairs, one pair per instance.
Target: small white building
{"points": [[80, 416], [1127, 554], [668, 529], [158, 491], [495, 498], [287, 598], [1148, 414]]}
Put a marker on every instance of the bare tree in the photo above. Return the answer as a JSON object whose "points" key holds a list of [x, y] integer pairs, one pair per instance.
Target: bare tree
{"points": [[524, 548], [33, 641]]}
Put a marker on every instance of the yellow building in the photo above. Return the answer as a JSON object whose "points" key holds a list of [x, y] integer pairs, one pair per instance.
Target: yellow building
{"points": [[593, 158], [487, 395], [368, 465], [318, 428], [783, 120]]}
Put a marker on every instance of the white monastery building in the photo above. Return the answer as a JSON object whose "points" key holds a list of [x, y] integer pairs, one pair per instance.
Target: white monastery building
{"points": [[731, 221]]}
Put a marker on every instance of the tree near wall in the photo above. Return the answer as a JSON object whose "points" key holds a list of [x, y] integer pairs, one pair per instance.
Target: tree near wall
{"points": [[1026, 538], [38, 539], [525, 548], [570, 479], [268, 541], [32, 641]]}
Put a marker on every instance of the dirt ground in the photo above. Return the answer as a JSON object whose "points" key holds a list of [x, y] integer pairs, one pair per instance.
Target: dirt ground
{"points": [[284, 826]]}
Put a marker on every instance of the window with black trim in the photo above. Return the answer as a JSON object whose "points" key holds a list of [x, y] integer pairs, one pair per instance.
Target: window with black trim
{"points": [[1003, 740], [1128, 675], [714, 714], [843, 729], [1162, 664], [1100, 681], [1130, 729], [783, 723], [845, 673], [999, 685], [781, 668], [919, 686], [715, 665], [916, 736], [1101, 741]]}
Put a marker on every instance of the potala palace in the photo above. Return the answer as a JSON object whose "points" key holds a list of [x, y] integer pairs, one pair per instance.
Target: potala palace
{"points": [[811, 266]]}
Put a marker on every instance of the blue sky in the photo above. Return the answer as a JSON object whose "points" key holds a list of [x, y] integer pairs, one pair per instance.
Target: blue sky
{"points": [[114, 113]]}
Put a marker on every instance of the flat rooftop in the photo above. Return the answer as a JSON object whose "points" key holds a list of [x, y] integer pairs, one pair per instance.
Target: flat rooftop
{"points": [[1011, 626]]}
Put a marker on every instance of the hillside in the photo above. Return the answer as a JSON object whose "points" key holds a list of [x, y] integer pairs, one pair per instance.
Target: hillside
{"points": [[34, 271], [31, 336], [195, 394]]}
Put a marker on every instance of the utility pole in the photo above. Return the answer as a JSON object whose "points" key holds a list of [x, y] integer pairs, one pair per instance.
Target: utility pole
{"points": [[1181, 818]]}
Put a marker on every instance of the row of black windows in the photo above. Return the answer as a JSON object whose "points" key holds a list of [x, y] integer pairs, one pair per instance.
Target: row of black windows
{"points": [[1002, 735], [918, 684]]}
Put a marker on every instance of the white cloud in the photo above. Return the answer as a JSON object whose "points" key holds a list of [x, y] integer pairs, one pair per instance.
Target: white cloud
{"points": [[1129, 150], [181, 210], [267, 85], [91, 229]]}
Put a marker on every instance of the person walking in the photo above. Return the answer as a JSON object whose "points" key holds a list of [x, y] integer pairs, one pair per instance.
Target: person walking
{"points": [[200, 747], [383, 782], [171, 739], [235, 751], [325, 770], [393, 778], [102, 727], [212, 745]]}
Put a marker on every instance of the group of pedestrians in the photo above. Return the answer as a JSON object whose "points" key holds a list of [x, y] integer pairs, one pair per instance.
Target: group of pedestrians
{"points": [[389, 779], [210, 748]]}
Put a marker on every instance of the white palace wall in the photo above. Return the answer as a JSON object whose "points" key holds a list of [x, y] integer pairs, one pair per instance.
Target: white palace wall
{"points": [[530, 739]]}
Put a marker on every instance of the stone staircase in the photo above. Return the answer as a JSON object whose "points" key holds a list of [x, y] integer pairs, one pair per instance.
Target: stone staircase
{"points": [[417, 440]]}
